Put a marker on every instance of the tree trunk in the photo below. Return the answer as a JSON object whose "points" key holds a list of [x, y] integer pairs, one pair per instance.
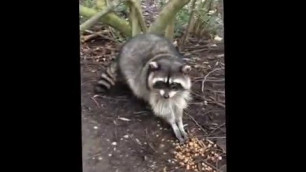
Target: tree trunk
{"points": [[140, 18], [170, 30], [167, 13], [133, 19], [100, 4]]}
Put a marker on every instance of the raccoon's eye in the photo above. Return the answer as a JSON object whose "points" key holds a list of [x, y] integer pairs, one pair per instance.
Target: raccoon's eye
{"points": [[176, 86], [159, 85]]}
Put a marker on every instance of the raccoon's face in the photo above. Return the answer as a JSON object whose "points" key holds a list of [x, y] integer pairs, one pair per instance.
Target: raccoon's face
{"points": [[168, 78]]}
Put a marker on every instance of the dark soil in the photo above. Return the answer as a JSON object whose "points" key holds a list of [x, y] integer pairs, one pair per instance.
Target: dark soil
{"points": [[120, 133]]}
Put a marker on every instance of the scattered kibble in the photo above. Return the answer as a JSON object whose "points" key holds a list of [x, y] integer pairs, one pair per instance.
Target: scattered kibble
{"points": [[195, 154]]}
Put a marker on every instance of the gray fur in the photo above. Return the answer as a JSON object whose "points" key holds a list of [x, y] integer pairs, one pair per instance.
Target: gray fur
{"points": [[136, 68]]}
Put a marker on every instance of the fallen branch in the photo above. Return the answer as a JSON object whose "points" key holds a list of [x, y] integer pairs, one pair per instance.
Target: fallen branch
{"points": [[96, 34], [110, 19], [94, 19]]}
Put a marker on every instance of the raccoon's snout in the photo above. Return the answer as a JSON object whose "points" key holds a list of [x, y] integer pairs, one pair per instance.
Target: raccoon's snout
{"points": [[166, 96]]}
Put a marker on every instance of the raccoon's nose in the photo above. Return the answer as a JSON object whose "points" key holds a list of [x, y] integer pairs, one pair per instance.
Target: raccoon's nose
{"points": [[166, 96]]}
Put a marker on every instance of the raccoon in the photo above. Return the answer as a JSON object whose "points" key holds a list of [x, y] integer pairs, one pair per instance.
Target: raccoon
{"points": [[155, 72]]}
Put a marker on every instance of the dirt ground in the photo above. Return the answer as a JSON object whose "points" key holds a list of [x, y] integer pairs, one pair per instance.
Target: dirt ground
{"points": [[120, 133]]}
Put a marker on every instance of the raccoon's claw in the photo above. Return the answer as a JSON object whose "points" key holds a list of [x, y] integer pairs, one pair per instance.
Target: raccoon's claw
{"points": [[185, 135], [183, 141], [180, 138], [186, 138]]}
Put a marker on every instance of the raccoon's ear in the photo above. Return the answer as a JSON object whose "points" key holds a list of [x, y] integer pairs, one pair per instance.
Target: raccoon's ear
{"points": [[186, 69], [153, 65]]}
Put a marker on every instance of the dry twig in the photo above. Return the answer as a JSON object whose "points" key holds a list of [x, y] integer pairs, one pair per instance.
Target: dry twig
{"points": [[216, 69], [111, 98], [216, 129], [212, 166], [96, 34], [93, 98], [196, 123]]}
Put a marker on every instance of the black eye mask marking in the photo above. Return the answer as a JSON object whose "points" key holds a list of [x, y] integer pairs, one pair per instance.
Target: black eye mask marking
{"points": [[163, 85], [160, 85], [176, 86]]}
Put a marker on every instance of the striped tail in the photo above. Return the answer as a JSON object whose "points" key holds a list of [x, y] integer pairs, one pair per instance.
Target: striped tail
{"points": [[107, 79]]}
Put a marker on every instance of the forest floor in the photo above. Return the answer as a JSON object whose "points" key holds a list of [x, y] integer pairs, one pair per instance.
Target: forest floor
{"points": [[121, 134]]}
